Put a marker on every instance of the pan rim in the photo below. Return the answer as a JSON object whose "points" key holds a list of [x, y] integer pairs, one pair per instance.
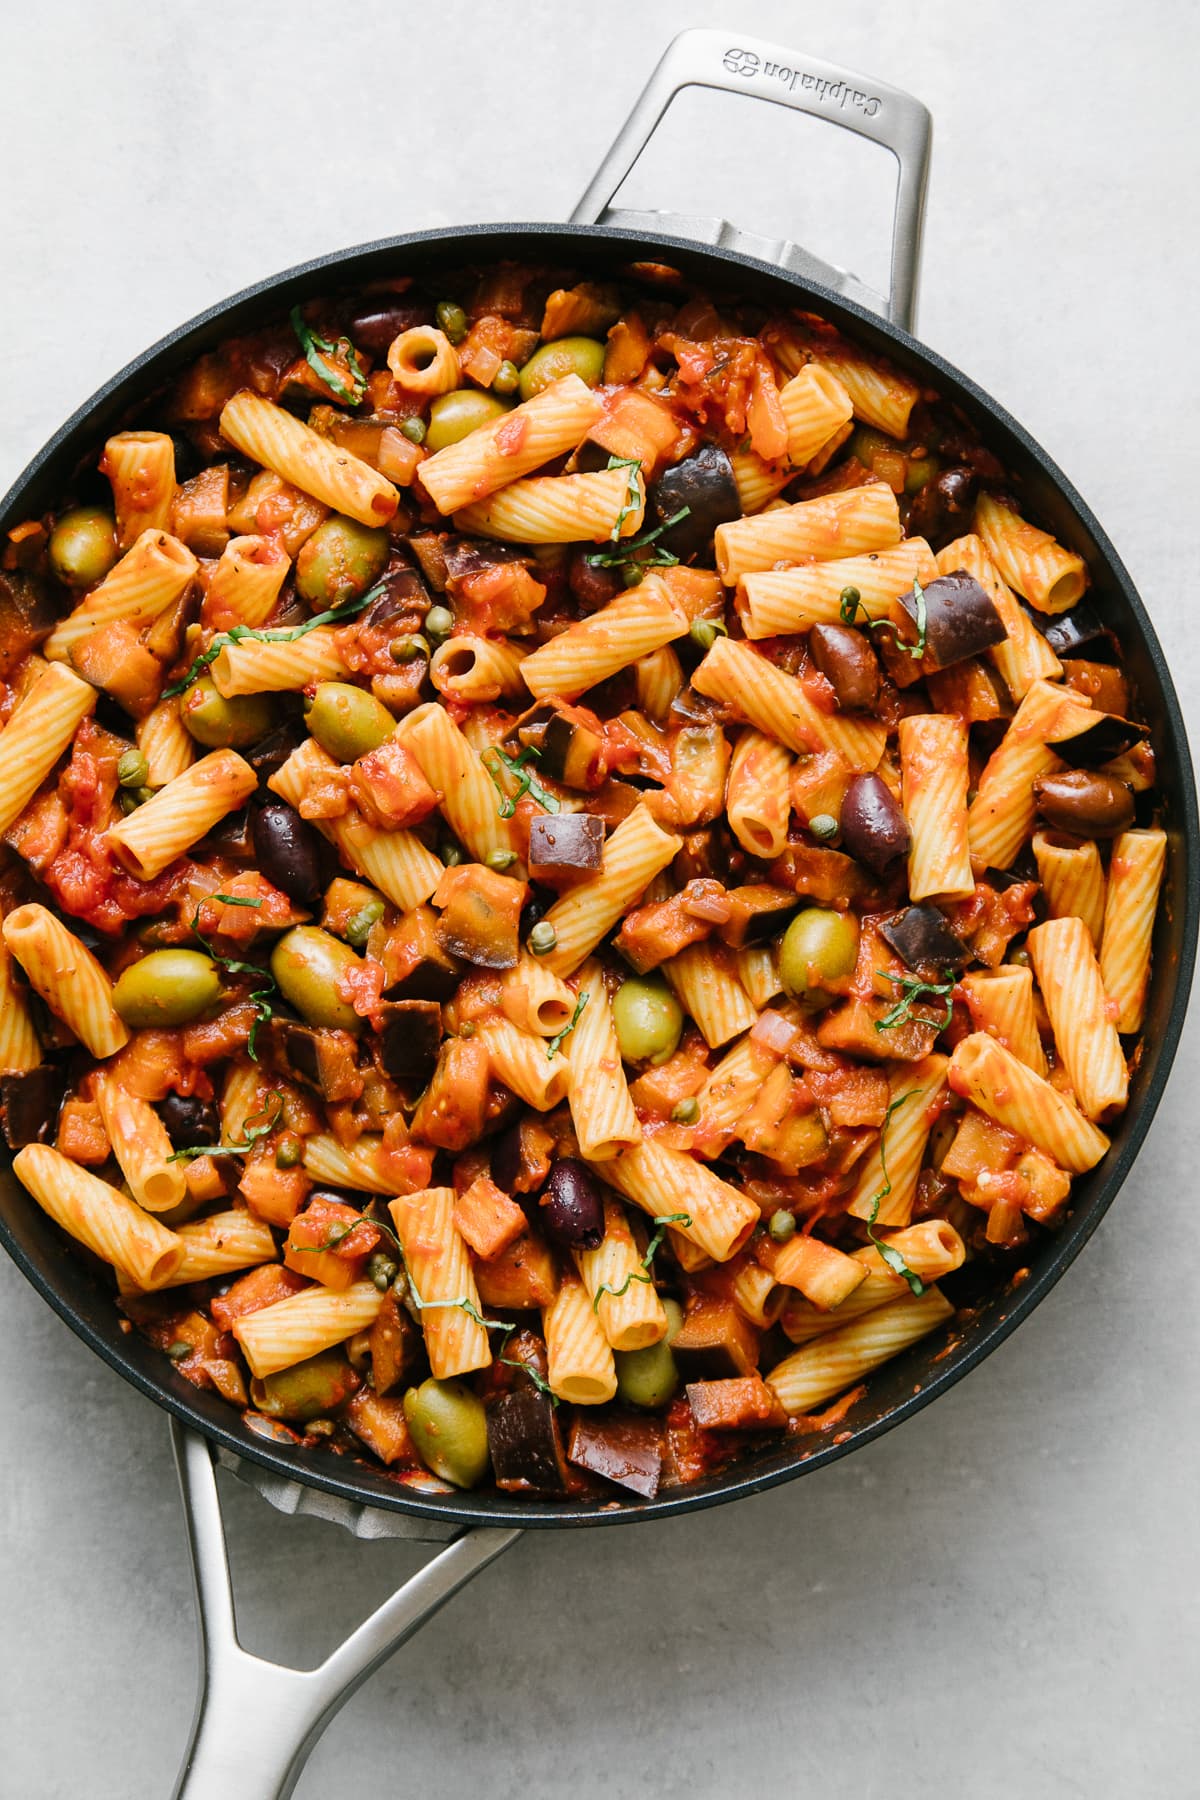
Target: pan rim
{"points": [[338, 1478]]}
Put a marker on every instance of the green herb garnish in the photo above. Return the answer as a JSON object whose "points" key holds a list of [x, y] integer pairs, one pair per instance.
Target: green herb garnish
{"points": [[527, 781], [852, 600], [261, 997], [254, 1133], [313, 346], [236, 900], [556, 1042], [644, 1275], [913, 990], [889, 1253], [630, 551], [633, 496], [247, 634]]}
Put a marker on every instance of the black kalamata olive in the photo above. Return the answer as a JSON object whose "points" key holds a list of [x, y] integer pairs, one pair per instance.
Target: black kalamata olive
{"points": [[874, 830], [704, 484], [941, 510], [1086, 802], [288, 850], [848, 663], [572, 1206], [373, 327], [190, 1121], [591, 583]]}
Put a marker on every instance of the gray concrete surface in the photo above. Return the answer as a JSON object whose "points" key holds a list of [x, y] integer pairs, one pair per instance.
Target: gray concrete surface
{"points": [[998, 1600]]}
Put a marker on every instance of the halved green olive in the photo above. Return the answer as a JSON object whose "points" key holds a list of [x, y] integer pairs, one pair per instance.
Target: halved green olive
{"points": [[83, 546], [348, 721], [223, 724], [456, 415], [308, 1390], [168, 987], [449, 1430], [307, 964], [580, 356], [339, 562]]}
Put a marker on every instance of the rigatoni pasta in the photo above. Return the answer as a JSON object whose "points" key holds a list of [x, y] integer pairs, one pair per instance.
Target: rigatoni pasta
{"points": [[550, 909]]}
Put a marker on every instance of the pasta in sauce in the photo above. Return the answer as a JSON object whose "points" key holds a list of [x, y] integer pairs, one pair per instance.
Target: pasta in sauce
{"points": [[572, 856]]}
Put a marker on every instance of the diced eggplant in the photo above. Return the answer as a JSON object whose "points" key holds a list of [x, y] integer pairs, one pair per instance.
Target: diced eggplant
{"points": [[758, 913], [27, 616], [572, 753], [714, 1341], [1076, 632], [322, 1059], [565, 848], [707, 855], [480, 915], [271, 752], [621, 1447], [190, 1121], [942, 508], [395, 1340], [429, 548], [592, 585], [521, 1156], [415, 965], [402, 591], [233, 836], [409, 1039], [1105, 737], [704, 485], [525, 1443], [960, 618], [690, 708], [29, 1104], [920, 936]]}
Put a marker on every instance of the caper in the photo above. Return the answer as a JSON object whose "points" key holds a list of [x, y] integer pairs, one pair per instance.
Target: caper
{"points": [[339, 562], [289, 1150], [307, 964], [128, 801], [452, 319], [223, 724], [449, 1430], [543, 938], [501, 860], [359, 928], [920, 470], [823, 826], [687, 1111], [646, 1377], [439, 622], [782, 1225], [456, 415], [133, 771], [381, 1269], [308, 1390], [506, 378], [408, 649], [83, 546], [819, 946], [580, 356], [178, 1349], [168, 987], [348, 721], [648, 1019], [704, 633], [414, 430]]}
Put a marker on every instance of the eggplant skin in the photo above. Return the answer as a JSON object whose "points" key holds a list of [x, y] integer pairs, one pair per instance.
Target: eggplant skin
{"points": [[525, 1444], [29, 1104], [704, 484], [1108, 736], [960, 619], [921, 937]]}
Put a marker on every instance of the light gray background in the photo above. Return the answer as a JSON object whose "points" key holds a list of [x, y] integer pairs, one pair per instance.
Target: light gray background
{"points": [[999, 1599]]}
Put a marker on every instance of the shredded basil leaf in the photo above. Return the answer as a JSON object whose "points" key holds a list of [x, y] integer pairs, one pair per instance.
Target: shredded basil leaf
{"points": [[236, 900], [913, 990], [889, 1253], [556, 1042], [852, 600], [312, 345], [253, 1133], [527, 781], [652, 1250], [246, 634], [261, 997], [630, 551], [633, 496]]}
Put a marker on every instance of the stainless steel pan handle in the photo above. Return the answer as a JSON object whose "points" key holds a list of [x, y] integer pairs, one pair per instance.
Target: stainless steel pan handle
{"points": [[257, 1721], [746, 65]]}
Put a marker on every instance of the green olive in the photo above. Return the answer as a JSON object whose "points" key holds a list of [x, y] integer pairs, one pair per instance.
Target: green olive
{"points": [[348, 721], [456, 415], [83, 546], [225, 724], [818, 946], [307, 964], [580, 356], [168, 987], [921, 469], [648, 1018], [648, 1377], [449, 1430], [307, 1390], [339, 562]]}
